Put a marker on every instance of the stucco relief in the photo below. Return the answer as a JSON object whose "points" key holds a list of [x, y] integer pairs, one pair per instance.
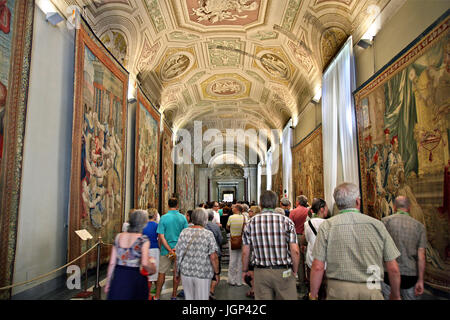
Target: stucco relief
{"points": [[223, 12], [175, 66], [146, 57], [226, 87], [228, 172]]}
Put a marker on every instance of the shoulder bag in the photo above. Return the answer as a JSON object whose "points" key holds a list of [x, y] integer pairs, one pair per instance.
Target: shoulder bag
{"points": [[236, 241]]}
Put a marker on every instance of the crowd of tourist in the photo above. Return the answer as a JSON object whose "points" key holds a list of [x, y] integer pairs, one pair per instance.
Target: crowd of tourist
{"points": [[278, 251]]}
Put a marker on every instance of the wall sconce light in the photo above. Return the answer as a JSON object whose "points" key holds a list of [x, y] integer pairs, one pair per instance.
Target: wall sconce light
{"points": [[317, 96], [365, 43], [53, 18], [52, 15]]}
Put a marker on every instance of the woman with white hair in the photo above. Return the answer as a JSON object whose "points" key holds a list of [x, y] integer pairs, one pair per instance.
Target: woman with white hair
{"points": [[129, 253], [197, 260]]}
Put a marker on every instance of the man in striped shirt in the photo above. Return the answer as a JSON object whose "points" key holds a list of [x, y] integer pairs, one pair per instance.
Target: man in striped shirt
{"points": [[275, 252]]}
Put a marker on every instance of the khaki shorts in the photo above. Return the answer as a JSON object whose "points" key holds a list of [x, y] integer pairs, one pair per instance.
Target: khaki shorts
{"points": [[165, 264]]}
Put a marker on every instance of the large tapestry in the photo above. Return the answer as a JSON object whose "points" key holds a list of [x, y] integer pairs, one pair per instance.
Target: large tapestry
{"points": [[403, 131], [185, 187], [97, 183], [307, 166], [16, 33], [147, 155], [167, 168]]}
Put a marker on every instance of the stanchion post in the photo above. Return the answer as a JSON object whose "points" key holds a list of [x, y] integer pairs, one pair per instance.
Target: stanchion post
{"points": [[97, 289], [85, 236], [86, 261]]}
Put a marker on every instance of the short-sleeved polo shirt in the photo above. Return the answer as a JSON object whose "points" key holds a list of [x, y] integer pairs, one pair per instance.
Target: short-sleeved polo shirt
{"points": [[409, 235], [352, 244], [171, 225]]}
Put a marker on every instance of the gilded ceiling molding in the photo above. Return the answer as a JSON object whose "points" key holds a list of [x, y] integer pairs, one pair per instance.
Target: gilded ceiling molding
{"points": [[183, 51]]}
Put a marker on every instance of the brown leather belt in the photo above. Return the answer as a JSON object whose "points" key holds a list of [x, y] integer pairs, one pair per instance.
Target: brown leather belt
{"points": [[283, 266]]}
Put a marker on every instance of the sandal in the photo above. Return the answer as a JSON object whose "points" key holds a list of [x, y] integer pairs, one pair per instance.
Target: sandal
{"points": [[250, 294]]}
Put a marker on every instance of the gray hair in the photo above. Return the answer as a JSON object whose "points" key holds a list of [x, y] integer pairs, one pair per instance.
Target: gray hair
{"points": [[268, 199], [279, 210], [210, 214], [302, 200], [199, 217], [245, 207], [285, 202], [402, 202], [346, 195], [138, 220]]}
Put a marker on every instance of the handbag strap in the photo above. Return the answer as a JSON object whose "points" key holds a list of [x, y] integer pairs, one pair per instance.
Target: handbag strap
{"points": [[312, 227], [243, 224]]}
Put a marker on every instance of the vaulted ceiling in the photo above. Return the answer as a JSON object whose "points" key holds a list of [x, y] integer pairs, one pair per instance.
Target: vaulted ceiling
{"points": [[231, 63]]}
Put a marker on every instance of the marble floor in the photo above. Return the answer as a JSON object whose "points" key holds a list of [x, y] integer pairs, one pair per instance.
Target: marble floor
{"points": [[224, 291]]}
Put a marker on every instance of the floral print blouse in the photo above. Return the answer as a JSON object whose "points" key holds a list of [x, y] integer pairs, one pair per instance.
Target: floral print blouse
{"points": [[130, 257]]}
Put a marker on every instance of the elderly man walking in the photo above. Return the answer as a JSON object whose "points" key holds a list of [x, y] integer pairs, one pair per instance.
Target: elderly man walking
{"points": [[275, 253], [410, 238], [355, 247]]}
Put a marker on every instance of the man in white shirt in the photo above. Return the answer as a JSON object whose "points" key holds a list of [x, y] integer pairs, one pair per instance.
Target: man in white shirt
{"points": [[215, 207]]}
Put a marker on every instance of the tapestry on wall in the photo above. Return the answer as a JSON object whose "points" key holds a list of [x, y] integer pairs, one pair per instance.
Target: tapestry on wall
{"points": [[185, 187], [16, 33], [277, 178], [97, 183], [403, 131], [167, 168], [147, 155], [307, 166]]}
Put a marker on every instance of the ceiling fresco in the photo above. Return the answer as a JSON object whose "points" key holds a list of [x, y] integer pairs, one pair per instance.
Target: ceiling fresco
{"points": [[225, 86], [258, 61], [223, 13]]}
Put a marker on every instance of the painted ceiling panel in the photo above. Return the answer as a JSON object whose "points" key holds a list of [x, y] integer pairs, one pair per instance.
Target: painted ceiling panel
{"points": [[259, 61]]}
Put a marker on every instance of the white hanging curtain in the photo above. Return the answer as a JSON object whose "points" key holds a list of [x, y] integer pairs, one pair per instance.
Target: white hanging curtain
{"points": [[287, 161], [269, 170], [258, 182], [340, 155]]}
